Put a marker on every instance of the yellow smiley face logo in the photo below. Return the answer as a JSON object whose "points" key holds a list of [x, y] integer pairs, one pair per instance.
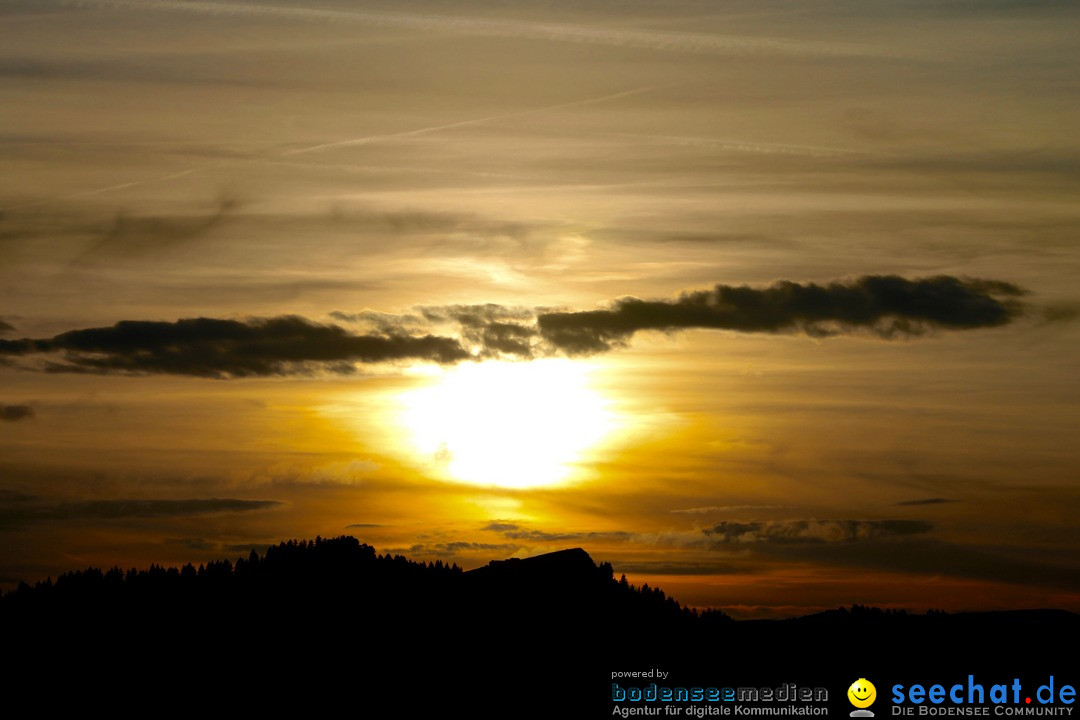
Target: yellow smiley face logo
{"points": [[862, 693]]}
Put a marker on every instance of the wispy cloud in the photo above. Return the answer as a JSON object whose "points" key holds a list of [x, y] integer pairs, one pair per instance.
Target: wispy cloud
{"points": [[705, 510], [453, 549], [13, 413], [13, 514], [133, 235], [815, 531], [513, 531], [645, 39], [369, 139], [928, 501]]}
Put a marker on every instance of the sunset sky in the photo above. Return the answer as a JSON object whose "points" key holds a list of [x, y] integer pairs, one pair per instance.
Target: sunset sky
{"points": [[771, 304]]}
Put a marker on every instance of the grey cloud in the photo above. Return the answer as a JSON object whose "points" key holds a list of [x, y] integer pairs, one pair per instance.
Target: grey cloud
{"points": [[13, 413], [499, 338], [380, 321], [1038, 566], [476, 315], [362, 525], [149, 69], [928, 501], [496, 329], [815, 531], [724, 508], [665, 567], [242, 547], [513, 531], [17, 514], [500, 526], [885, 545], [193, 543], [208, 347], [965, 8], [426, 232], [655, 40], [887, 305], [1059, 313], [6, 327], [456, 548], [1060, 163], [541, 536], [137, 235]]}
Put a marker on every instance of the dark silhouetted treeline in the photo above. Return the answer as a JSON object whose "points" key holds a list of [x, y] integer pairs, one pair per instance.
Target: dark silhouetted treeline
{"points": [[338, 615], [350, 578], [332, 621]]}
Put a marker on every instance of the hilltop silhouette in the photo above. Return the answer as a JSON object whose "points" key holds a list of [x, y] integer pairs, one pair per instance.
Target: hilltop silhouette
{"points": [[335, 615]]}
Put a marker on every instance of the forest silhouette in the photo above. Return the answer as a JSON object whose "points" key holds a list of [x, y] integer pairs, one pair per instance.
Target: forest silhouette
{"points": [[332, 618]]}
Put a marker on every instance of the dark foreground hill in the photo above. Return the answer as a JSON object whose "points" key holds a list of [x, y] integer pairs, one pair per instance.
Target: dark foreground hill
{"points": [[332, 621]]}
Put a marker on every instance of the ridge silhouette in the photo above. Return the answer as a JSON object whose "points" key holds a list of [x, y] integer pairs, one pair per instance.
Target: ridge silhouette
{"points": [[336, 615]]}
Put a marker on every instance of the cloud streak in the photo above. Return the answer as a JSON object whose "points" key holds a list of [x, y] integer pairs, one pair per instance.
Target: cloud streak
{"points": [[928, 501], [886, 305], [14, 514], [135, 235], [14, 413], [655, 40], [207, 347], [513, 531], [453, 549], [369, 139], [815, 531], [725, 508]]}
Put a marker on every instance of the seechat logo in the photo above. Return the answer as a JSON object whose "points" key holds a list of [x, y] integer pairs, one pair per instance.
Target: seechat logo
{"points": [[974, 698]]}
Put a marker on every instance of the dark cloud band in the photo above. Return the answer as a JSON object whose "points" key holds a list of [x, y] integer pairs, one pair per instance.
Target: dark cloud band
{"points": [[30, 510], [207, 347], [13, 413], [887, 305], [928, 501], [815, 531]]}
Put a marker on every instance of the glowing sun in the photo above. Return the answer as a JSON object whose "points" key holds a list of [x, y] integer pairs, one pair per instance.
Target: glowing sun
{"points": [[507, 424]]}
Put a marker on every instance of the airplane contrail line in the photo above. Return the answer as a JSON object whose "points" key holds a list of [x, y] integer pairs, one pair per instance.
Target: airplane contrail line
{"points": [[368, 139]]}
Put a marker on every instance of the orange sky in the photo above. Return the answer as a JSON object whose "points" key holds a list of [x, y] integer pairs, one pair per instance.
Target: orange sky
{"points": [[413, 230]]}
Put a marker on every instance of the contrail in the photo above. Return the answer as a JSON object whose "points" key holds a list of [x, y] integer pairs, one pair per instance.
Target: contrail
{"points": [[475, 121], [134, 183], [366, 140], [110, 188], [664, 40], [747, 146], [645, 39]]}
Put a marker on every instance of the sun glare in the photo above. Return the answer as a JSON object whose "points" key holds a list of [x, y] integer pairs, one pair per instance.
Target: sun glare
{"points": [[517, 425]]}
